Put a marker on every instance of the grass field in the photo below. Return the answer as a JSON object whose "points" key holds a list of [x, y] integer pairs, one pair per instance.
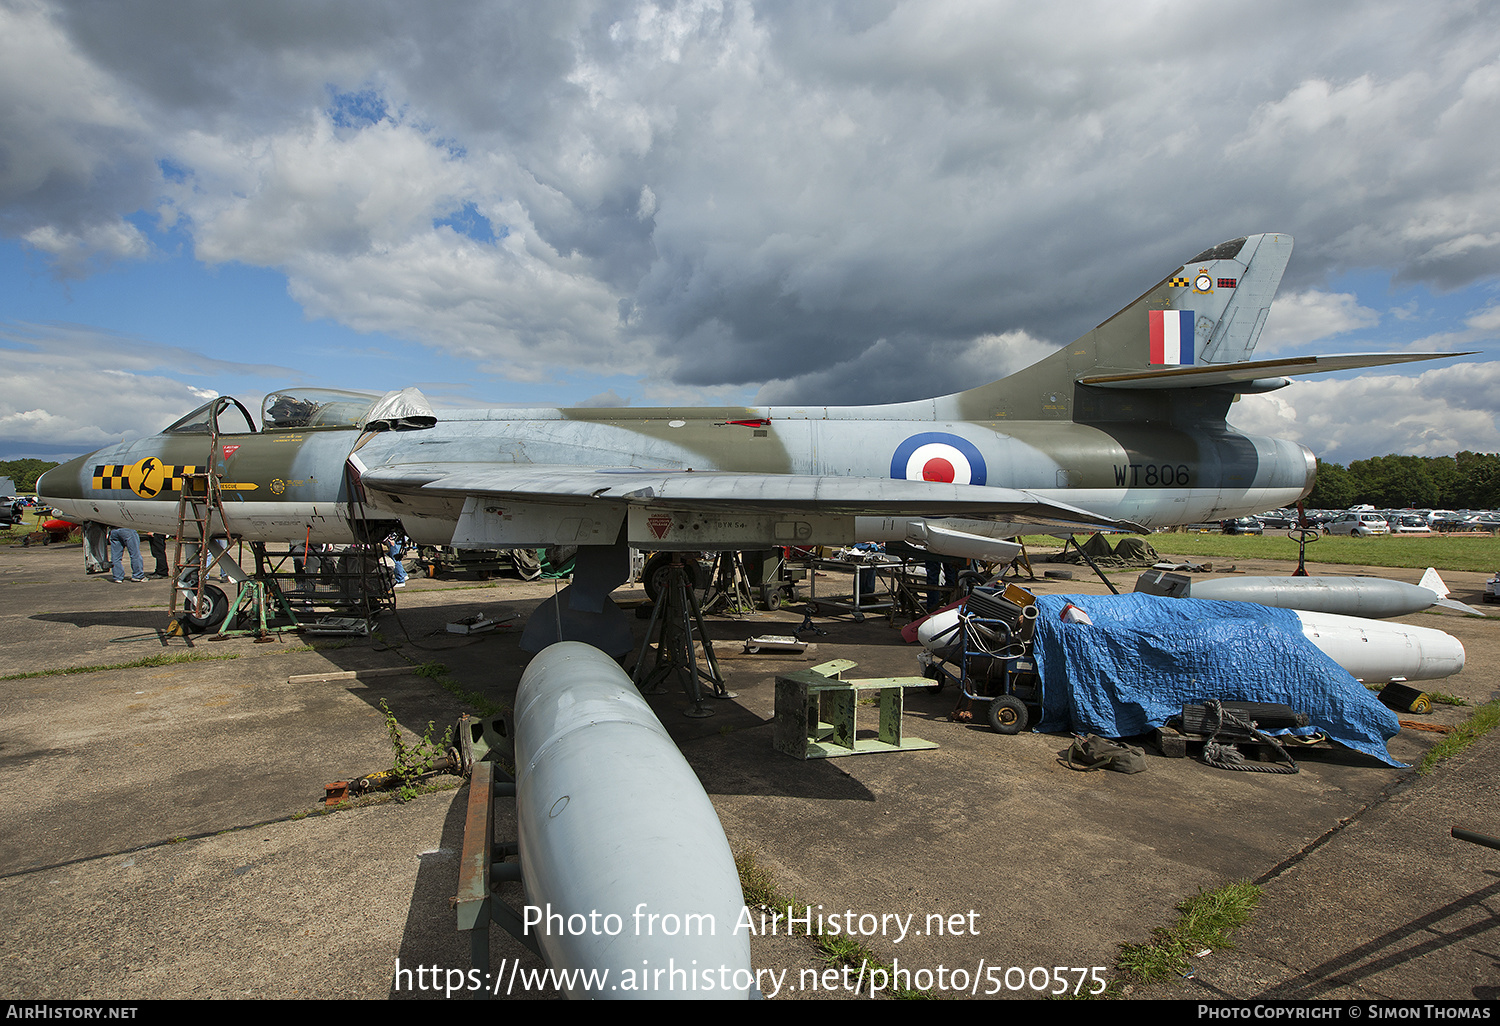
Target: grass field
{"points": [[1476, 553], [31, 522]]}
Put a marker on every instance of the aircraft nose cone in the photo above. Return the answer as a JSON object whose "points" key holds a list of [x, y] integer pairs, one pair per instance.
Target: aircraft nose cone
{"points": [[64, 481]]}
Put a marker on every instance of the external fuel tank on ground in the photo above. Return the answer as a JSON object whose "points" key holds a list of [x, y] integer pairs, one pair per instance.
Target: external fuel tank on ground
{"points": [[626, 868]]}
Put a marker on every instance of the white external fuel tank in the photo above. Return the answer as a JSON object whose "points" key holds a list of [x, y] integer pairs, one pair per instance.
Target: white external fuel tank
{"points": [[1371, 650], [627, 873], [1376, 652]]}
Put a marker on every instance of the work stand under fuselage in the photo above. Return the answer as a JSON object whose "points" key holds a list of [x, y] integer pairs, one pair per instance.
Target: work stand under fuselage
{"points": [[676, 622]]}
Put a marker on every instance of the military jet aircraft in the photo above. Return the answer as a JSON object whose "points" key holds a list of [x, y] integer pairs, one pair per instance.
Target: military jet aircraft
{"points": [[1125, 427]]}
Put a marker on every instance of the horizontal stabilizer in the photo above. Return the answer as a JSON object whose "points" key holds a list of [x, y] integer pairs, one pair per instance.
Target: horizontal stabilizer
{"points": [[1460, 607], [1433, 583], [1209, 375]]}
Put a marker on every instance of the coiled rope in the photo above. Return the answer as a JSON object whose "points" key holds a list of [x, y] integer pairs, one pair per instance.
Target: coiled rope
{"points": [[1227, 756]]}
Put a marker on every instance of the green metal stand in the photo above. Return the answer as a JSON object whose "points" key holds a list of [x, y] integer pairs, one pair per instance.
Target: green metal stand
{"points": [[816, 713]]}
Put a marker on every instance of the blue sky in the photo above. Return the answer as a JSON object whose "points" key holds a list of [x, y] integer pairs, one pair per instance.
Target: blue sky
{"points": [[709, 201], [242, 317]]}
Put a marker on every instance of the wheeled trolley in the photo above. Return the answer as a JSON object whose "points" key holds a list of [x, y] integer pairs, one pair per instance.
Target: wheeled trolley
{"points": [[988, 656]]}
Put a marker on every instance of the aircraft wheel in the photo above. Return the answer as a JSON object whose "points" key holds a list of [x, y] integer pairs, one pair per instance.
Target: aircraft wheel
{"points": [[654, 575], [1422, 706], [1008, 715], [527, 566], [652, 578], [206, 613]]}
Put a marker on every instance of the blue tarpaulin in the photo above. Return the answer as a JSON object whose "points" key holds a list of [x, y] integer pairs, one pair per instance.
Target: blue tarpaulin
{"points": [[1145, 656]]}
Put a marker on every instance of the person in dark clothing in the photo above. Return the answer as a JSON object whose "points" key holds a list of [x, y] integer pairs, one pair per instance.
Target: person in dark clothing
{"points": [[158, 543]]}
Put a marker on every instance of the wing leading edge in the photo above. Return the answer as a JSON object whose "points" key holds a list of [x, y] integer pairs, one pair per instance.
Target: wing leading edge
{"points": [[724, 491]]}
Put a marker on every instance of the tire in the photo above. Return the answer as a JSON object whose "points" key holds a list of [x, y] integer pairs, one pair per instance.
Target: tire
{"points": [[654, 576], [1008, 715], [207, 614], [526, 564]]}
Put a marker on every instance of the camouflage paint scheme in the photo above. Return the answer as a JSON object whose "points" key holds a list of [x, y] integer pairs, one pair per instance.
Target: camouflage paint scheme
{"points": [[1097, 434]]}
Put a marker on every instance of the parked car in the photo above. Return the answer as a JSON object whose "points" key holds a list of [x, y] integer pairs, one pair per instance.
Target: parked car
{"points": [[1359, 525], [1244, 525], [1444, 520], [1482, 522], [1409, 523]]}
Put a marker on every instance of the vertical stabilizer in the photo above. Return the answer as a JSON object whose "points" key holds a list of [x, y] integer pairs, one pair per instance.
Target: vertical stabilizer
{"points": [[1433, 583], [1234, 336], [1209, 311]]}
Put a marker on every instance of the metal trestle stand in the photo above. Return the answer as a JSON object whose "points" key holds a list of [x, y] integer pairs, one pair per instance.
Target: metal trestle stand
{"points": [[676, 620]]}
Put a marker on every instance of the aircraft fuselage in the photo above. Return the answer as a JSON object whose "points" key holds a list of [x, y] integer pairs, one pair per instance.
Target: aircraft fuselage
{"points": [[290, 485]]}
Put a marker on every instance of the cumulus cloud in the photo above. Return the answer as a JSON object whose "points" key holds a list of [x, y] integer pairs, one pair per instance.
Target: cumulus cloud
{"points": [[1310, 316], [70, 388], [1435, 413], [833, 203], [75, 156]]}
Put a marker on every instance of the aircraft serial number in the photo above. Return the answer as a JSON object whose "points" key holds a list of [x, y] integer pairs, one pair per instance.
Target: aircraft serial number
{"points": [[1152, 475]]}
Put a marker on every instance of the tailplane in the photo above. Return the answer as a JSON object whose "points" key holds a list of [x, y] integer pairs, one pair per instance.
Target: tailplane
{"points": [[1195, 329]]}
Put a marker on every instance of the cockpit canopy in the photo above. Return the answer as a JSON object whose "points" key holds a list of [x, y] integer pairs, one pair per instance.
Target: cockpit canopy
{"points": [[221, 413], [301, 409], [296, 408]]}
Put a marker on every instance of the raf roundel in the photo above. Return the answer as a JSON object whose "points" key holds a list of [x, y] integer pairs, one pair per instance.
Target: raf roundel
{"points": [[938, 456]]}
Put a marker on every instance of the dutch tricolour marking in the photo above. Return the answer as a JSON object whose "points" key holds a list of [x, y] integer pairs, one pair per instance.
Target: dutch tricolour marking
{"points": [[938, 456], [1171, 336]]}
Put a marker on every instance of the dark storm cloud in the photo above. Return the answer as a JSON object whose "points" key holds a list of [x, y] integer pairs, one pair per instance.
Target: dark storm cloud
{"points": [[836, 202]]}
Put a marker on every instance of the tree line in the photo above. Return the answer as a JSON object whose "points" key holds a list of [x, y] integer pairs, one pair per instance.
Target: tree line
{"points": [[1469, 480], [25, 472]]}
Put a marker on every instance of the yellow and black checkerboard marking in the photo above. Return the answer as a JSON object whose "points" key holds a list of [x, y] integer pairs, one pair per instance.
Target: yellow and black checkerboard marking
{"points": [[1179, 283], [147, 478]]}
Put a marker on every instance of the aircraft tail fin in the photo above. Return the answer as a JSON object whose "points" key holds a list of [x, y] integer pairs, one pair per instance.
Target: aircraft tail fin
{"points": [[1208, 311], [1433, 583], [1180, 351], [1207, 314]]}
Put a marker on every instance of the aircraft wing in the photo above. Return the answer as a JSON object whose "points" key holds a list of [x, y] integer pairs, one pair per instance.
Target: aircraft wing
{"points": [[725, 491], [1208, 374]]}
